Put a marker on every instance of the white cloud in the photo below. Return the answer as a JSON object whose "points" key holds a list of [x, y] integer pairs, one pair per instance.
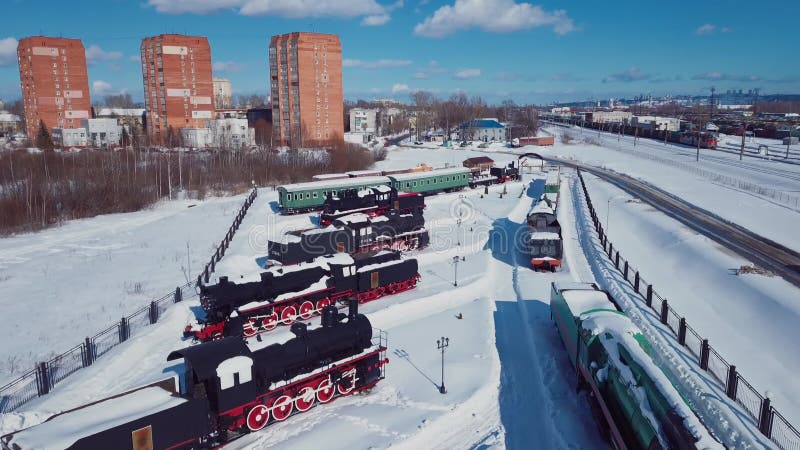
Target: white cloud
{"points": [[94, 53], [282, 8], [8, 51], [727, 30], [379, 64], [135, 58], [496, 16], [705, 29], [376, 20], [464, 74], [627, 76], [101, 87], [226, 66], [399, 88]]}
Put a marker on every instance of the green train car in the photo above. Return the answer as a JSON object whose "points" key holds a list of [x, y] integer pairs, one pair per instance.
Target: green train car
{"points": [[633, 400], [432, 181], [552, 181], [301, 197]]}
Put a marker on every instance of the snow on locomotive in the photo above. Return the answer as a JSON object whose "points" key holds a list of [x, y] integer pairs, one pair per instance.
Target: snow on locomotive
{"points": [[544, 243], [372, 201], [632, 399], [354, 233], [228, 388], [283, 295]]}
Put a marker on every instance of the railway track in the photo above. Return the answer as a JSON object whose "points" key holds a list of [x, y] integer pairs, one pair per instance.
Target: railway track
{"points": [[763, 252]]}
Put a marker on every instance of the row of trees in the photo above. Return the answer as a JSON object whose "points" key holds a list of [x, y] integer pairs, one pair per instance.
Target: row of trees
{"points": [[38, 190]]}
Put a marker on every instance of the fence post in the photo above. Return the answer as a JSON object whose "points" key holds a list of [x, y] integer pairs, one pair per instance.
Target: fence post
{"points": [[704, 355], [123, 330], [765, 418], [610, 248], [179, 294], [42, 379], [153, 313], [199, 280], [88, 352], [733, 382], [616, 262], [626, 270], [664, 311], [682, 331], [649, 298], [636, 282], [205, 274]]}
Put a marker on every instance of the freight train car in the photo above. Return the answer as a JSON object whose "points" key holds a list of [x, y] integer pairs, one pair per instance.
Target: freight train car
{"points": [[228, 388], [634, 402], [283, 295]]}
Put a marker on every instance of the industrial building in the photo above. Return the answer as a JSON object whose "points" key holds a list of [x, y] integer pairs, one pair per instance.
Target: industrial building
{"points": [[178, 88], [54, 82], [222, 94], [306, 88]]}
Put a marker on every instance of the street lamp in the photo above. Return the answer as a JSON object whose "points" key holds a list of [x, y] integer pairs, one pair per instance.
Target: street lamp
{"points": [[442, 344], [456, 260]]}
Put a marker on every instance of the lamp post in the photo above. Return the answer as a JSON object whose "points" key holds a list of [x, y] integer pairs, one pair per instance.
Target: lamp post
{"points": [[442, 344], [456, 260]]}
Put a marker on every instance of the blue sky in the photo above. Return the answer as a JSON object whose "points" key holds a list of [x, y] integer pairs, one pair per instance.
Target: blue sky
{"points": [[540, 51]]}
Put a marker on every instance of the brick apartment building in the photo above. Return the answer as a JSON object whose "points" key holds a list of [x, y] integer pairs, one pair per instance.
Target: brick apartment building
{"points": [[55, 85], [306, 87], [178, 87]]}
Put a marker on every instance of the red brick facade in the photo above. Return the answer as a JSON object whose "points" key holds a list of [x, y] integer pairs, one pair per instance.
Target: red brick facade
{"points": [[55, 85], [306, 89], [178, 87]]}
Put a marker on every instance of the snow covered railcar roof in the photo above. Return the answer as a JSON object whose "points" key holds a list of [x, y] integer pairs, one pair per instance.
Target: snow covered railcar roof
{"points": [[432, 173], [616, 330], [64, 430], [541, 208], [335, 184], [330, 176], [544, 236], [382, 188], [582, 300]]}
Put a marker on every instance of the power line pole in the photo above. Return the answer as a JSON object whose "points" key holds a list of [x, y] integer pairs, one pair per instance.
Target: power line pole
{"points": [[442, 344]]}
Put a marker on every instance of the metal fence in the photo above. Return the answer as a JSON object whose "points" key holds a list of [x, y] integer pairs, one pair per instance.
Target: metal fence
{"points": [[46, 375], [771, 423]]}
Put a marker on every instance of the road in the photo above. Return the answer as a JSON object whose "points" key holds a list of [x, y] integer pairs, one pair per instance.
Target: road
{"points": [[763, 252]]}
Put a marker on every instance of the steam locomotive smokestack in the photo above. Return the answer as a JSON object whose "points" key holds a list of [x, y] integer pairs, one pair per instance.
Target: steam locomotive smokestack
{"points": [[353, 311], [329, 316]]}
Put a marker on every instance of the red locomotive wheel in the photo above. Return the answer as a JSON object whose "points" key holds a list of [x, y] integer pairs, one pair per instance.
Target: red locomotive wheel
{"points": [[270, 322], [257, 417], [321, 304], [345, 385], [325, 391], [288, 315], [305, 399], [249, 328], [306, 310], [282, 408]]}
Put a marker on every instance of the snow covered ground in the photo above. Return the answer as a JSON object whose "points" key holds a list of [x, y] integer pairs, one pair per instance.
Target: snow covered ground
{"points": [[72, 281], [749, 319], [509, 381]]}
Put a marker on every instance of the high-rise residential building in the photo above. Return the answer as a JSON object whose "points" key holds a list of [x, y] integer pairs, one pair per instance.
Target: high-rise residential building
{"points": [[306, 87], [55, 85], [222, 93], [178, 88]]}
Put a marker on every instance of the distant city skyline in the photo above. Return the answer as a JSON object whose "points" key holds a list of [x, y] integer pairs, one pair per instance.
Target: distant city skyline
{"points": [[536, 52]]}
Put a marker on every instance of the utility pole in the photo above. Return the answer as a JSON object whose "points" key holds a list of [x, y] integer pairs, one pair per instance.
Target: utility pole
{"points": [[741, 149], [442, 344]]}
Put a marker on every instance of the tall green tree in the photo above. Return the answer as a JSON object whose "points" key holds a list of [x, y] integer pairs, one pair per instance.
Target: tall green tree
{"points": [[43, 139]]}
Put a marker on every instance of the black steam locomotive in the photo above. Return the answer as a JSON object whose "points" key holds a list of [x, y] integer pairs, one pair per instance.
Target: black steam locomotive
{"points": [[227, 389], [354, 233], [284, 294], [504, 174], [374, 201]]}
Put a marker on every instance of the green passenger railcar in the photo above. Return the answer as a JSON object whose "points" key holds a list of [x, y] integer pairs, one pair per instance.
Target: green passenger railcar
{"points": [[300, 197], [552, 182], [629, 393], [432, 181]]}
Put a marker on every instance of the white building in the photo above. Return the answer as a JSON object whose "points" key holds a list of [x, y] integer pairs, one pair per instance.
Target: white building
{"points": [[485, 130], [231, 133], [102, 133], [363, 120], [9, 123], [611, 116], [196, 137], [222, 93], [656, 123], [69, 137]]}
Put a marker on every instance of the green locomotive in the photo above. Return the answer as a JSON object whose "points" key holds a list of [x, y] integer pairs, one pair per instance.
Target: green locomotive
{"points": [[633, 400]]}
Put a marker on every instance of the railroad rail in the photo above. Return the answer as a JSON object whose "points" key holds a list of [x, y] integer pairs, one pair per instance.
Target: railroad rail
{"points": [[761, 251]]}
